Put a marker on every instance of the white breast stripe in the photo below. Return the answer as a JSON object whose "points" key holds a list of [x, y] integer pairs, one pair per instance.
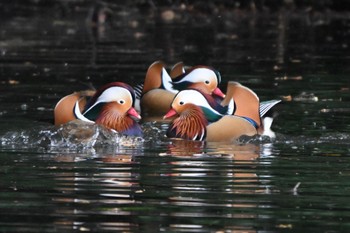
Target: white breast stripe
{"points": [[203, 133], [78, 114], [167, 82], [231, 107]]}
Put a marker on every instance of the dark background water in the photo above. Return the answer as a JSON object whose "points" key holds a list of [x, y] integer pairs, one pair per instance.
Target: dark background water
{"points": [[297, 52]]}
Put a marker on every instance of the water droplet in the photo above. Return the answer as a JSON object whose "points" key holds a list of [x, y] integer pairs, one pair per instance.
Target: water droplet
{"points": [[24, 107]]}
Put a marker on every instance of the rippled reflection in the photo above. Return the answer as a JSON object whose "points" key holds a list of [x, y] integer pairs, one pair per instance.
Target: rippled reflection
{"points": [[106, 189], [190, 183], [211, 181]]}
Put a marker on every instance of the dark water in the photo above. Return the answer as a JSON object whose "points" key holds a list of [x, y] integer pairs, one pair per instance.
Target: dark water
{"points": [[298, 182]]}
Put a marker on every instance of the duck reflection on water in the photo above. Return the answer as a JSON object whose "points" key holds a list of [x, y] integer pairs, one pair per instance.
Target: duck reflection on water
{"points": [[193, 176], [190, 169], [106, 190]]}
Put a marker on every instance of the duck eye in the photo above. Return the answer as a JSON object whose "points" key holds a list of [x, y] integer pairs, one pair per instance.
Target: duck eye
{"points": [[181, 103], [206, 81], [121, 101]]}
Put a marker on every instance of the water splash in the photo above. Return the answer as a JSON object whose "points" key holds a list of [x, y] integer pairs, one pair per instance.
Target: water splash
{"points": [[73, 135], [86, 137]]}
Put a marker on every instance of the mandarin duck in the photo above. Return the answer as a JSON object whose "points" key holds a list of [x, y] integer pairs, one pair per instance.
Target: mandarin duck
{"points": [[237, 97], [192, 123], [159, 87], [200, 117], [110, 106]]}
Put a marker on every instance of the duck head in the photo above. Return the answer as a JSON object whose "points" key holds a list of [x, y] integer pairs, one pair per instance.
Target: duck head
{"points": [[203, 78], [112, 107], [211, 109], [194, 111]]}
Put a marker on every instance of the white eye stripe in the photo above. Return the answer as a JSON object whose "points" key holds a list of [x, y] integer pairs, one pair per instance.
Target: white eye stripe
{"points": [[201, 136], [190, 96], [194, 97], [112, 94], [200, 75]]}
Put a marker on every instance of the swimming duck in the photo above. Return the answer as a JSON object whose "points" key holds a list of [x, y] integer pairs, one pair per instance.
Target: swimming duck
{"points": [[200, 117], [159, 87], [110, 106], [191, 122]]}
